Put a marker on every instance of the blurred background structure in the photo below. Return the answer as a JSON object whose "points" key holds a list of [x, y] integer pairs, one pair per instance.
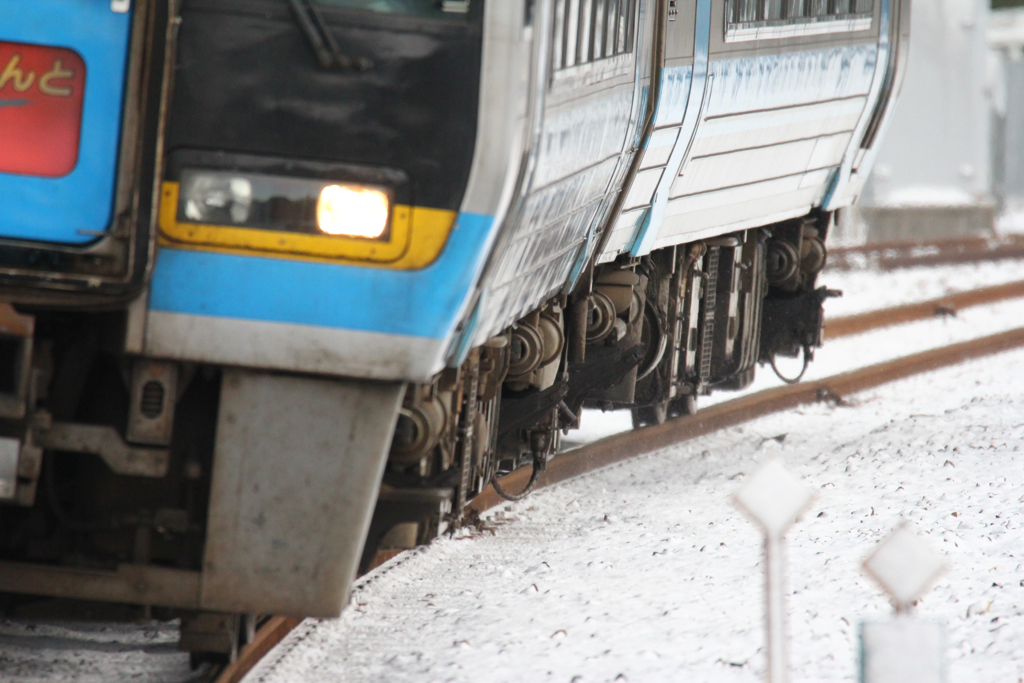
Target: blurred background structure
{"points": [[1006, 42], [952, 163]]}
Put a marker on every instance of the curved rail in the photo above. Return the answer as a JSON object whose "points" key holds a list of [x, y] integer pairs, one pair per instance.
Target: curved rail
{"points": [[268, 635]]}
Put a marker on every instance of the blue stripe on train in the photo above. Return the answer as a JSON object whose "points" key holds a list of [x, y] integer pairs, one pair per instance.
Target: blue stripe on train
{"points": [[421, 303], [70, 208]]}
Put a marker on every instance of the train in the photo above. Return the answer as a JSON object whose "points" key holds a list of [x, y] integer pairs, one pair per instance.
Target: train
{"points": [[285, 283]]}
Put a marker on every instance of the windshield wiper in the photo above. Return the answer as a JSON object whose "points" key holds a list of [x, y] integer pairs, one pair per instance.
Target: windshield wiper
{"points": [[311, 22]]}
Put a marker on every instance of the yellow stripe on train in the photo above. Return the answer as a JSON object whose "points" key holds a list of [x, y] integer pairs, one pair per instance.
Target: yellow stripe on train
{"points": [[417, 236]]}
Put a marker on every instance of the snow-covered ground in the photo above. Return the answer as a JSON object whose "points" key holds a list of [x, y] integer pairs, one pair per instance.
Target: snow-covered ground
{"points": [[867, 289], [645, 572], [41, 652], [1011, 220]]}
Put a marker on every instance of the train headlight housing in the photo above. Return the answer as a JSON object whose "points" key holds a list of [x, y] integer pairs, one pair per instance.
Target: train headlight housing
{"points": [[217, 198], [282, 203], [353, 211]]}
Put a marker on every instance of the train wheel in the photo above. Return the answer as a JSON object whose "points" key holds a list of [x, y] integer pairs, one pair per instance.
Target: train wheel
{"points": [[650, 415], [214, 639], [682, 405]]}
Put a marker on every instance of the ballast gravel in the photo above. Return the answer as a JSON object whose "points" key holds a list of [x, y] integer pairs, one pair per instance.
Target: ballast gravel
{"points": [[92, 652]]}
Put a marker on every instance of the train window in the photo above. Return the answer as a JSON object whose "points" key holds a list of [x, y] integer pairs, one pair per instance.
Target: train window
{"points": [[590, 30], [572, 25], [597, 30], [620, 25], [764, 19], [609, 31], [558, 41], [422, 8], [817, 8], [583, 42]]}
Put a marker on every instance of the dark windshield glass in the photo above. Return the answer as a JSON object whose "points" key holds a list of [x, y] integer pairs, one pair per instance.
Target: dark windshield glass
{"points": [[422, 8]]}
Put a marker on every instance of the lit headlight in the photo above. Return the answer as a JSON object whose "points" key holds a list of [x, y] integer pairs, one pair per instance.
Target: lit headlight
{"points": [[254, 200], [352, 210]]}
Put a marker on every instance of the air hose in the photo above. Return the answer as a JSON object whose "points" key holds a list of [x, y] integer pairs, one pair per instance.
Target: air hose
{"points": [[793, 380], [540, 463]]}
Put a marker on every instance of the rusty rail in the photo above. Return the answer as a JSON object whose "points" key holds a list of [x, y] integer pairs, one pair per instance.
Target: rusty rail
{"points": [[269, 635], [626, 445], [945, 305], [940, 252]]}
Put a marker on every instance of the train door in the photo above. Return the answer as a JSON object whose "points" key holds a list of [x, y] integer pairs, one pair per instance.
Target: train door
{"points": [[590, 108], [682, 59], [894, 47], [62, 84], [791, 86], [640, 42]]}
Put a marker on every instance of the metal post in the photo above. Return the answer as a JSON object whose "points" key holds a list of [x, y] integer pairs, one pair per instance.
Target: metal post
{"points": [[775, 610], [904, 649], [774, 498]]}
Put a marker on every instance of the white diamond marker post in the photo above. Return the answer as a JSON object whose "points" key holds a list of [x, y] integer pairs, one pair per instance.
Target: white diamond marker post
{"points": [[774, 498], [905, 566], [903, 650]]}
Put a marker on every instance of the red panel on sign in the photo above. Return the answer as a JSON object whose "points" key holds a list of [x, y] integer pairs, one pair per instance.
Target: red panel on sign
{"points": [[41, 94]]}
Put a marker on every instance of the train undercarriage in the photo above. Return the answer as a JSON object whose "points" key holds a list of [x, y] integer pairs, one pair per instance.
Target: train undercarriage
{"points": [[649, 335], [110, 459]]}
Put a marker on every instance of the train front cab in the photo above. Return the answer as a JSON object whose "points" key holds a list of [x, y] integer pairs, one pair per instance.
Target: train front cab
{"points": [[213, 309]]}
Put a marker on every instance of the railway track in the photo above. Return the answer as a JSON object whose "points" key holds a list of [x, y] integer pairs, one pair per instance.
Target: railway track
{"points": [[892, 256], [943, 306], [269, 635], [626, 445]]}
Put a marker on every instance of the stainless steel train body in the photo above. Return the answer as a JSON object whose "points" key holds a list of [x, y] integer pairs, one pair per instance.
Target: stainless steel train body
{"points": [[286, 282]]}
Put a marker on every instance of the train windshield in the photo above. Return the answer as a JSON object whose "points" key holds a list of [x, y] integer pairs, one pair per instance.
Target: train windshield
{"points": [[422, 8]]}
